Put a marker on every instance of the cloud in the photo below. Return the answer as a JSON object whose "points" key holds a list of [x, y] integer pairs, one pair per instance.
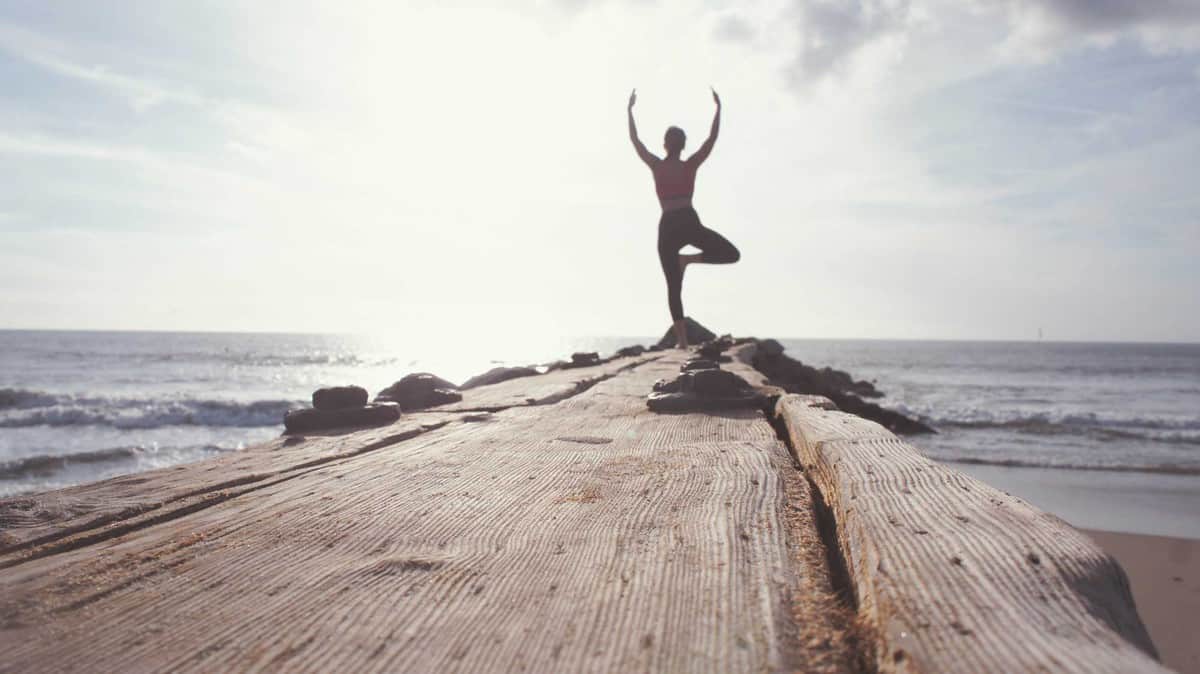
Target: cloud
{"points": [[733, 28], [833, 35], [1109, 15], [37, 50]]}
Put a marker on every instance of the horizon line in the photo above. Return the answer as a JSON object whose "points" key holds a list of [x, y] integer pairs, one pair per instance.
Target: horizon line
{"points": [[653, 339]]}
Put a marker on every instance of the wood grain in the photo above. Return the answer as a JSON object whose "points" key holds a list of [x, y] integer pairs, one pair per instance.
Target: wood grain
{"points": [[590, 535], [47, 518], [955, 575]]}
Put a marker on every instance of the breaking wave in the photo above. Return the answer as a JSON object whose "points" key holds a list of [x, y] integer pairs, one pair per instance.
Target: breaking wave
{"points": [[45, 465], [1104, 426], [21, 408], [1162, 468]]}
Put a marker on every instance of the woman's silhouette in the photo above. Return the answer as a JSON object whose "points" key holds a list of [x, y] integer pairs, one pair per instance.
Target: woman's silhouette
{"points": [[675, 180]]}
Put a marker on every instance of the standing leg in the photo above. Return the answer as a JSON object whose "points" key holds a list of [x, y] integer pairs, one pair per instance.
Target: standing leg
{"points": [[668, 257]]}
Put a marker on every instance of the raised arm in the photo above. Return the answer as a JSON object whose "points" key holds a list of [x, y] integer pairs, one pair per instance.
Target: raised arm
{"points": [[642, 152], [706, 148]]}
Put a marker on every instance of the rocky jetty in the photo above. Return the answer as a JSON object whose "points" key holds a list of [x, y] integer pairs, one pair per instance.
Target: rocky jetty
{"points": [[796, 377], [418, 391]]}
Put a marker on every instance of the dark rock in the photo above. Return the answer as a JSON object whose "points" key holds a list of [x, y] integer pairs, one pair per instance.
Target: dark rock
{"points": [[655, 347], [632, 350], [698, 364], [714, 383], [696, 334], [497, 375], [418, 391], [672, 385], [769, 348], [585, 359], [339, 397], [313, 419], [713, 348], [796, 377], [702, 389], [889, 419]]}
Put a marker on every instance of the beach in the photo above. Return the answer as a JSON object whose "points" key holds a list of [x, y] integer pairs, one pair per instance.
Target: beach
{"points": [[1164, 573]]}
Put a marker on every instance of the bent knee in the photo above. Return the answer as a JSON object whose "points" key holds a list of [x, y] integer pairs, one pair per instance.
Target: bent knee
{"points": [[727, 256]]}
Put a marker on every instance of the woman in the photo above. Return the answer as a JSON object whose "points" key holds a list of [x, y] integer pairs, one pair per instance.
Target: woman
{"points": [[679, 226]]}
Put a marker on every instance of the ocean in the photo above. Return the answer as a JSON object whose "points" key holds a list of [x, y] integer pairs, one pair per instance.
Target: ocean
{"points": [[82, 406]]}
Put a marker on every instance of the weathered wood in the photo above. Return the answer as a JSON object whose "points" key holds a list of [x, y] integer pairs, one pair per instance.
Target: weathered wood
{"points": [[99, 509], [543, 389], [114, 505], [954, 575], [589, 535]]}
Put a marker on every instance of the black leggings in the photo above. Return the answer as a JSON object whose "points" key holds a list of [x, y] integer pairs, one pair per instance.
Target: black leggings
{"points": [[679, 228]]}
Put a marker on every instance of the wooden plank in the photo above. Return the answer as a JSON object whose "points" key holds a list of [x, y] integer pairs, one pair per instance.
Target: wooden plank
{"points": [[50, 517], [590, 535], [955, 575], [543, 389]]}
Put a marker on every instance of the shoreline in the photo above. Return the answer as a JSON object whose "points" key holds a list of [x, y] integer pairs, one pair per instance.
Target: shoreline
{"points": [[1148, 504]]}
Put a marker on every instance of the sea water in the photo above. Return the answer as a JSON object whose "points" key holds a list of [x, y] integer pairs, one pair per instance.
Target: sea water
{"points": [[81, 406]]}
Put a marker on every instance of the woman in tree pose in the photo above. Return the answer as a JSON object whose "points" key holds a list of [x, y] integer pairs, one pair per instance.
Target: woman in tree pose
{"points": [[675, 180]]}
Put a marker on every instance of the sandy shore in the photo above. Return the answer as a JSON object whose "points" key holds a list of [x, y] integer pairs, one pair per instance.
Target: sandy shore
{"points": [[1165, 575]]}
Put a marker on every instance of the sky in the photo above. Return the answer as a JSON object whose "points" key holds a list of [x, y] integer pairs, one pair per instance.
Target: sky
{"points": [[913, 169]]}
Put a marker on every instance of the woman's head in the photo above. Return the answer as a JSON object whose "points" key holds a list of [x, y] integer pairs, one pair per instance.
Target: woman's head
{"points": [[674, 140]]}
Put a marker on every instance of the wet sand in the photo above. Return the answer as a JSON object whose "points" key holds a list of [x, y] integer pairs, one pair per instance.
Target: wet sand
{"points": [[1165, 575]]}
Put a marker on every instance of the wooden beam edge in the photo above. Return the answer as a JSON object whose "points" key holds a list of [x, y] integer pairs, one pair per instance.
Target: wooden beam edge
{"points": [[817, 434]]}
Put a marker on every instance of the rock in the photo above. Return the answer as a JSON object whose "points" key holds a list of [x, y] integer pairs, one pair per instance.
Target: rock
{"points": [[891, 420], [418, 391], [796, 377], [769, 348], [672, 385], [714, 383], [585, 359], [339, 397], [713, 348], [313, 419], [696, 334], [497, 375], [702, 389], [698, 364], [633, 350]]}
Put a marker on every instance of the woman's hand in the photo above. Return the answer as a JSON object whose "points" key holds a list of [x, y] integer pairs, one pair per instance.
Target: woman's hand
{"points": [[716, 98], [632, 98]]}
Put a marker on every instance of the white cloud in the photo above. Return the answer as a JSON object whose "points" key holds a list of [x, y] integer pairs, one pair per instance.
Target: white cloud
{"points": [[834, 34], [733, 27], [41, 51]]}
